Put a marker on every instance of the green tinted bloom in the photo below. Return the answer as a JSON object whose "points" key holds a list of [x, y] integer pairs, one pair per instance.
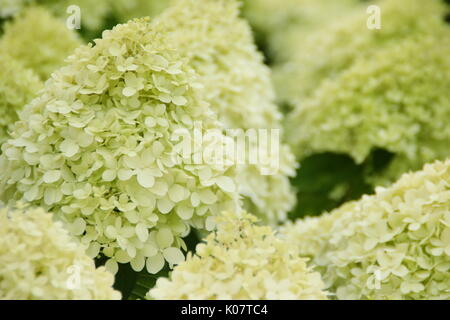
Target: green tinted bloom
{"points": [[391, 245], [38, 260], [398, 100], [39, 41], [18, 86], [241, 261], [98, 149], [237, 85]]}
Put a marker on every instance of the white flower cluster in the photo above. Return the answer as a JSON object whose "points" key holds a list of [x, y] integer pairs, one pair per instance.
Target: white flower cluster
{"points": [[241, 261], [96, 149], [38, 260], [391, 245]]}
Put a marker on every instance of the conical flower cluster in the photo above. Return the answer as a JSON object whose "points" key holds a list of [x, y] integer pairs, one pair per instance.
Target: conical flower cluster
{"points": [[100, 149]]}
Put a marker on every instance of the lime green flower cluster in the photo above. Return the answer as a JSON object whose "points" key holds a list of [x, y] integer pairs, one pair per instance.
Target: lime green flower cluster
{"points": [[99, 149], [18, 85], [237, 85], [38, 260], [397, 101], [241, 261], [39, 41], [323, 54], [391, 245]]}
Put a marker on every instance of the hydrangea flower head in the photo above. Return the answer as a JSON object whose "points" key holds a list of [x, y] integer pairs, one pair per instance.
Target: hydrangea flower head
{"points": [[391, 245], [18, 85], [38, 260], [237, 84], [383, 103], [38, 40], [241, 260], [98, 148]]}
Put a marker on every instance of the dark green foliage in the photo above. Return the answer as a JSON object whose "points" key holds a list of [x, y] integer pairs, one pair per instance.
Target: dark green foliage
{"points": [[325, 181]]}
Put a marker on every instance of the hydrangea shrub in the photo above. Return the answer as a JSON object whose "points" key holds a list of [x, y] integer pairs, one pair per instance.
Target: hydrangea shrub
{"points": [[38, 260], [241, 260], [18, 85], [237, 84], [38, 40], [97, 148], [391, 245]]}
